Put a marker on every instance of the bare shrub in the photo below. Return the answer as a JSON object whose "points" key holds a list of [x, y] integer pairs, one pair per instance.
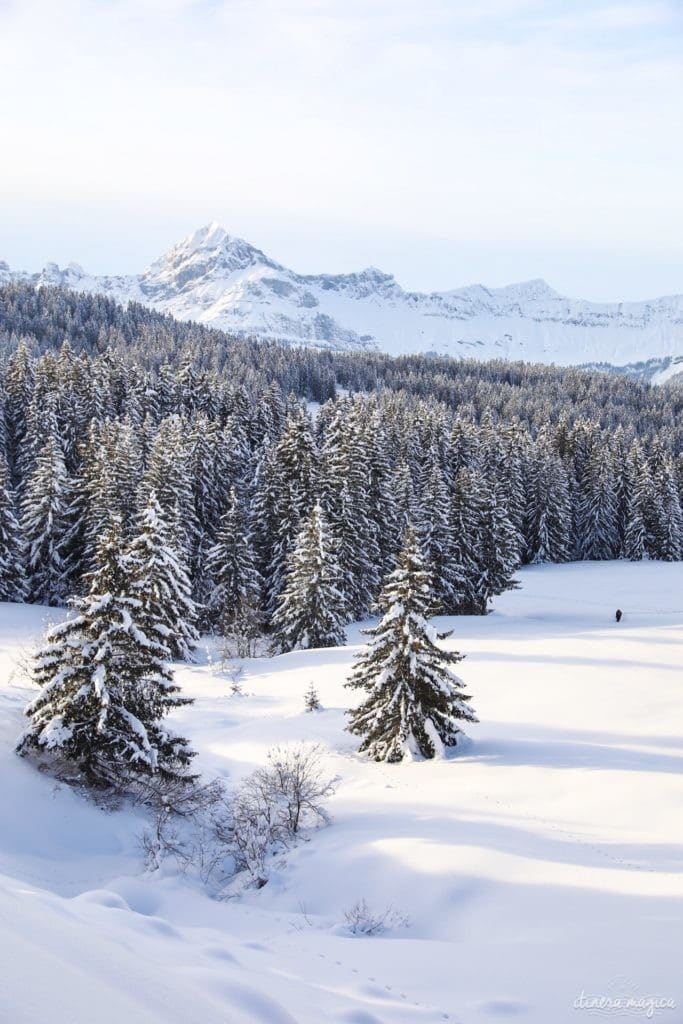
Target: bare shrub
{"points": [[275, 802], [220, 834], [362, 920], [181, 827], [295, 774]]}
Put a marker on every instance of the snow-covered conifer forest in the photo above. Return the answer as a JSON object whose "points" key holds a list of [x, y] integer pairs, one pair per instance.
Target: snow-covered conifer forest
{"points": [[313, 663], [495, 465]]}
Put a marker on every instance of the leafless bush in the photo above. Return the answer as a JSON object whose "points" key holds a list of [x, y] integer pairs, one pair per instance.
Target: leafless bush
{"points": [[295, 775], [181, 827], [274, 803], [220, 834], [362, 920]]}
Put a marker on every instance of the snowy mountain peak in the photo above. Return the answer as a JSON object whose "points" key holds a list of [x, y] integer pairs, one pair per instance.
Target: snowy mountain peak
{"points": [[222, 280], [208, 237], [208, 254]]}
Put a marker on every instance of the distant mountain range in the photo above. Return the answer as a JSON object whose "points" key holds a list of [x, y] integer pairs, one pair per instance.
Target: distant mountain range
{"points": [[223, 281]]}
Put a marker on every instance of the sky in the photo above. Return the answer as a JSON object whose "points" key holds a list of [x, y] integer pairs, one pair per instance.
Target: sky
{"points": [[446, 142]]}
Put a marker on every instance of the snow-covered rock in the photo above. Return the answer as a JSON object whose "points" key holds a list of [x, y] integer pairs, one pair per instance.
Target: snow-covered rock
{"points": [[217, 279]]}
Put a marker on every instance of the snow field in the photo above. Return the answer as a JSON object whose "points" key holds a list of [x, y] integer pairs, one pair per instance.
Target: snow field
{"points": [[544, 860]]}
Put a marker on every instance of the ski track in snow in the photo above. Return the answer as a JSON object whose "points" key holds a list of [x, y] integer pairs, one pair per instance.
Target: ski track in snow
{"points": [[542, 860]]}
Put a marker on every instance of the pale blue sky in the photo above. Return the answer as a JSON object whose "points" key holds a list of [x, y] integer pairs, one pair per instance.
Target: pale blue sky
{"points": [[445, 141]]}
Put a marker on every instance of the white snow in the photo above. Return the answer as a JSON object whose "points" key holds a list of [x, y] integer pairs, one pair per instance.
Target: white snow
{"points": [[539, 868]]}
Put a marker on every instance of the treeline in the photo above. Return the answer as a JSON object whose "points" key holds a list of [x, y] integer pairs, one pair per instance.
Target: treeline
{"points": [[494, 465], [531, 394]]}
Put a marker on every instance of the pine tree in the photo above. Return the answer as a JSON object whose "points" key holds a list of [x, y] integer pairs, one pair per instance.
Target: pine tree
{"points": [[230, 566], [161, 583], [12, 569], [284, 494], [547, 525], [669, 540], [597, 525], [105, 687], [44, 523], [637, 500], [311, 699], [414, 700], [500, 549], [168, 477], [465, 528], [310, 609], [295, 459], [436, 542], [18, 387], [345, 486]]}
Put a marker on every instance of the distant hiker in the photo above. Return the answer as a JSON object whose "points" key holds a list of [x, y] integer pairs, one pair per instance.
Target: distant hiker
{"points": [[618, 615]]}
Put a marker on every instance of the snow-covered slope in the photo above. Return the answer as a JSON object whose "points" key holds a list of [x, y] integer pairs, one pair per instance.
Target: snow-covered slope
{"points": [[543, 862], [224, 281]]}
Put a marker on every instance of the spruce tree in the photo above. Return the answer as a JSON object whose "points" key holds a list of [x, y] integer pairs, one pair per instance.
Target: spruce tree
{"points": [[310, 609], [295, 460], [638, 499], [547, 526], [311, 699], [436, 542], [18, 387], [500, 549], [597, 524], [12, 565], [105, 686], [230, 566], [465, 529], [414, 701], [283, 496], [161, 583], [345, 482], [667, 539], [44, 523]]}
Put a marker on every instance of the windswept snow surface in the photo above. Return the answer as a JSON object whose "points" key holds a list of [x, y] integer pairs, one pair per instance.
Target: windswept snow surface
{"points": [[539, 868]]}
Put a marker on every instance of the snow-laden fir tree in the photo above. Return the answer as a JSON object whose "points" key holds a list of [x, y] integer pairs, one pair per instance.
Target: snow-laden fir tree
{"points": [[283, 496], [310, 609], [436, 542], [44, 522], [414, 701], [597, 525], [465, 541], [234, 580], [167, 476], [638, 499], [18, 386], [547, 522], [161, 583], [345, 484], [500, 549], [12, 571], [105, 686], [667, 534]]}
